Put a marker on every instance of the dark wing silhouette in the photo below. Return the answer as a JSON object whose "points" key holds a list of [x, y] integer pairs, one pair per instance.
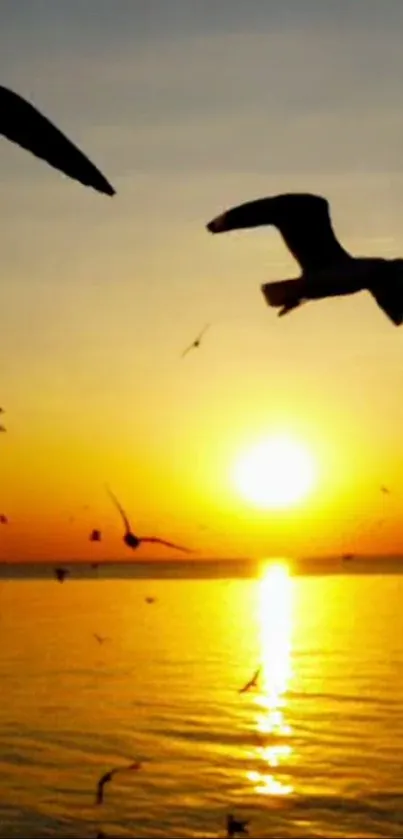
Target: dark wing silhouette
{"points": [[252, 682], [203, 332], [303, 221], [167, 544], [120, 509], [390, 299], [190, 347], [23, 124], [197, 340]]}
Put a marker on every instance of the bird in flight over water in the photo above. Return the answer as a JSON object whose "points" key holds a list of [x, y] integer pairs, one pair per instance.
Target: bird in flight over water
{"points": [[24, 125], [133, 541], [107, 777], [328, 270], [236, 826], [61, 574], [196, 343], [253, 682]]}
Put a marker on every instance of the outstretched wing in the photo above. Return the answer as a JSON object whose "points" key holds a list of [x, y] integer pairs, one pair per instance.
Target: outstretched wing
{"points": [[23, 124], [303, 221], [120, 509], [390, 300], [167, 544], [190, 347], [203, 332]]}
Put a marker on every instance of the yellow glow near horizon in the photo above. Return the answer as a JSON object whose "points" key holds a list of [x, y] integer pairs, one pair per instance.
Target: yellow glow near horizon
{"points": [[277, 472], [276, 626]]}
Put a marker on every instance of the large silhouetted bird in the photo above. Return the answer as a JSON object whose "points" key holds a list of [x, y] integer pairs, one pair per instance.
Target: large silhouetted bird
{"points": [[23, 124], [328, 270], [107, 777], [133, 541]]}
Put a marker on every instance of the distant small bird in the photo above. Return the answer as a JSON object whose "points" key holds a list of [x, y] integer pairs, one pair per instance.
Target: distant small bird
{"points": [[24, 125], [95, 536], [100, 638], [133, 541], [328, 270], [61, 574], [253, 682], [236, 826], [196, 343], [385, 490], [150, 599], [3, 519], [347, 557], [107, 777]]}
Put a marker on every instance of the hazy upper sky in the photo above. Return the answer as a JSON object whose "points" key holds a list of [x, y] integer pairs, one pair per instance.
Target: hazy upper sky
{"points": [[189, 106]]}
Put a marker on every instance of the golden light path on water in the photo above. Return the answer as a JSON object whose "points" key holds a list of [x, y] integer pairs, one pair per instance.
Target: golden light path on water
{"points": [[276, 607]]}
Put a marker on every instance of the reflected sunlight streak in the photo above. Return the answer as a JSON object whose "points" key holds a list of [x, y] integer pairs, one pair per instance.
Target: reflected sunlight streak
{"points": [[276, 625]]}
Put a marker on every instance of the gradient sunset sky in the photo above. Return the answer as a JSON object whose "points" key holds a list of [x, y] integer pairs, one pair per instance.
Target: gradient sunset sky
{"points": [[188, 107]]}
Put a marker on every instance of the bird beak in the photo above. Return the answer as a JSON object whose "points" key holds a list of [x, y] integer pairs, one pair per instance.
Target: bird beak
{"points": [[218, 224]]}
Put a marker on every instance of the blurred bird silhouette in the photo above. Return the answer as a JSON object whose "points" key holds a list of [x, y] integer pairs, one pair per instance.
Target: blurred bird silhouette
{"points": [[3, 429], [328, 270], [24, 125], [95, 536], [107, 777], [385, 490], [3, 519], [150, 600], [133, 541], [253, 682], [236, 826], [196, 343], [61, 574]]}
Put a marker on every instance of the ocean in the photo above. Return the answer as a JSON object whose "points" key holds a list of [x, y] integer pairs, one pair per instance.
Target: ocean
{"points": [[315, 750]]}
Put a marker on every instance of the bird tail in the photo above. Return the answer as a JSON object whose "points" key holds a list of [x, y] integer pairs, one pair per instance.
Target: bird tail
{"points": [[284, 294], [390, 299]]}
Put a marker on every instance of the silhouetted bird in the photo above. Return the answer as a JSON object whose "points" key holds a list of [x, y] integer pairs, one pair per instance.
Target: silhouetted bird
{"points": [[327, 269], [133, 541], [385, 490], [3, 519], [196, 343], [150, 600], [236, 826], [253, 682], [61, 574], [100, 638], [95, 536], [23, 124], [107, 777]]}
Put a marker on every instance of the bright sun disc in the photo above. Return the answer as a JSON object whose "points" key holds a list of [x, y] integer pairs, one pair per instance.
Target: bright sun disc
{"points": [[277, 472]]}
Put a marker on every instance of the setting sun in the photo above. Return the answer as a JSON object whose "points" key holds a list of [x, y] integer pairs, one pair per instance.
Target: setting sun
{"points": [[277, 472]]}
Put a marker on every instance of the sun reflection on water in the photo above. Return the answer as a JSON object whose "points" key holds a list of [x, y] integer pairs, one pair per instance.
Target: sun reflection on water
{"points": [[276, 625]]}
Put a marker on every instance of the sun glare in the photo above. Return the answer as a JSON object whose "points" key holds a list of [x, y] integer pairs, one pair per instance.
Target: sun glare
{"points": [[277, 472], [276, 631]]}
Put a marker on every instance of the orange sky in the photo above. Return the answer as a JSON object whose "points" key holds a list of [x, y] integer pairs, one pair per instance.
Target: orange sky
{"points": [[186, 115]]}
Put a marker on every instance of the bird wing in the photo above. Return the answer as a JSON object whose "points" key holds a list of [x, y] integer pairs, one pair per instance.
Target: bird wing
{"points": [[23, 124], [251, 682], [302, 219], [120, 509], [190, 347], [390, 299], [203, 332], [167, 544]]}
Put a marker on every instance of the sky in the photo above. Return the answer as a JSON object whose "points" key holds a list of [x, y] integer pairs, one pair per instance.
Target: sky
{"points": [[189, 107]]}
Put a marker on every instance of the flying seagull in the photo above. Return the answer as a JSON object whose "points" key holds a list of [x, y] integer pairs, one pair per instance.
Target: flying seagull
{"points": [[133, 541], [24, 125], [327, 269], [236, 826], [196, 343], [252, 682], [107, 777]]}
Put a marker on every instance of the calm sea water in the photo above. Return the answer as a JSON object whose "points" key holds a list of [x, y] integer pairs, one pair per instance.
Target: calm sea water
{"points": [[316, 751]]}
